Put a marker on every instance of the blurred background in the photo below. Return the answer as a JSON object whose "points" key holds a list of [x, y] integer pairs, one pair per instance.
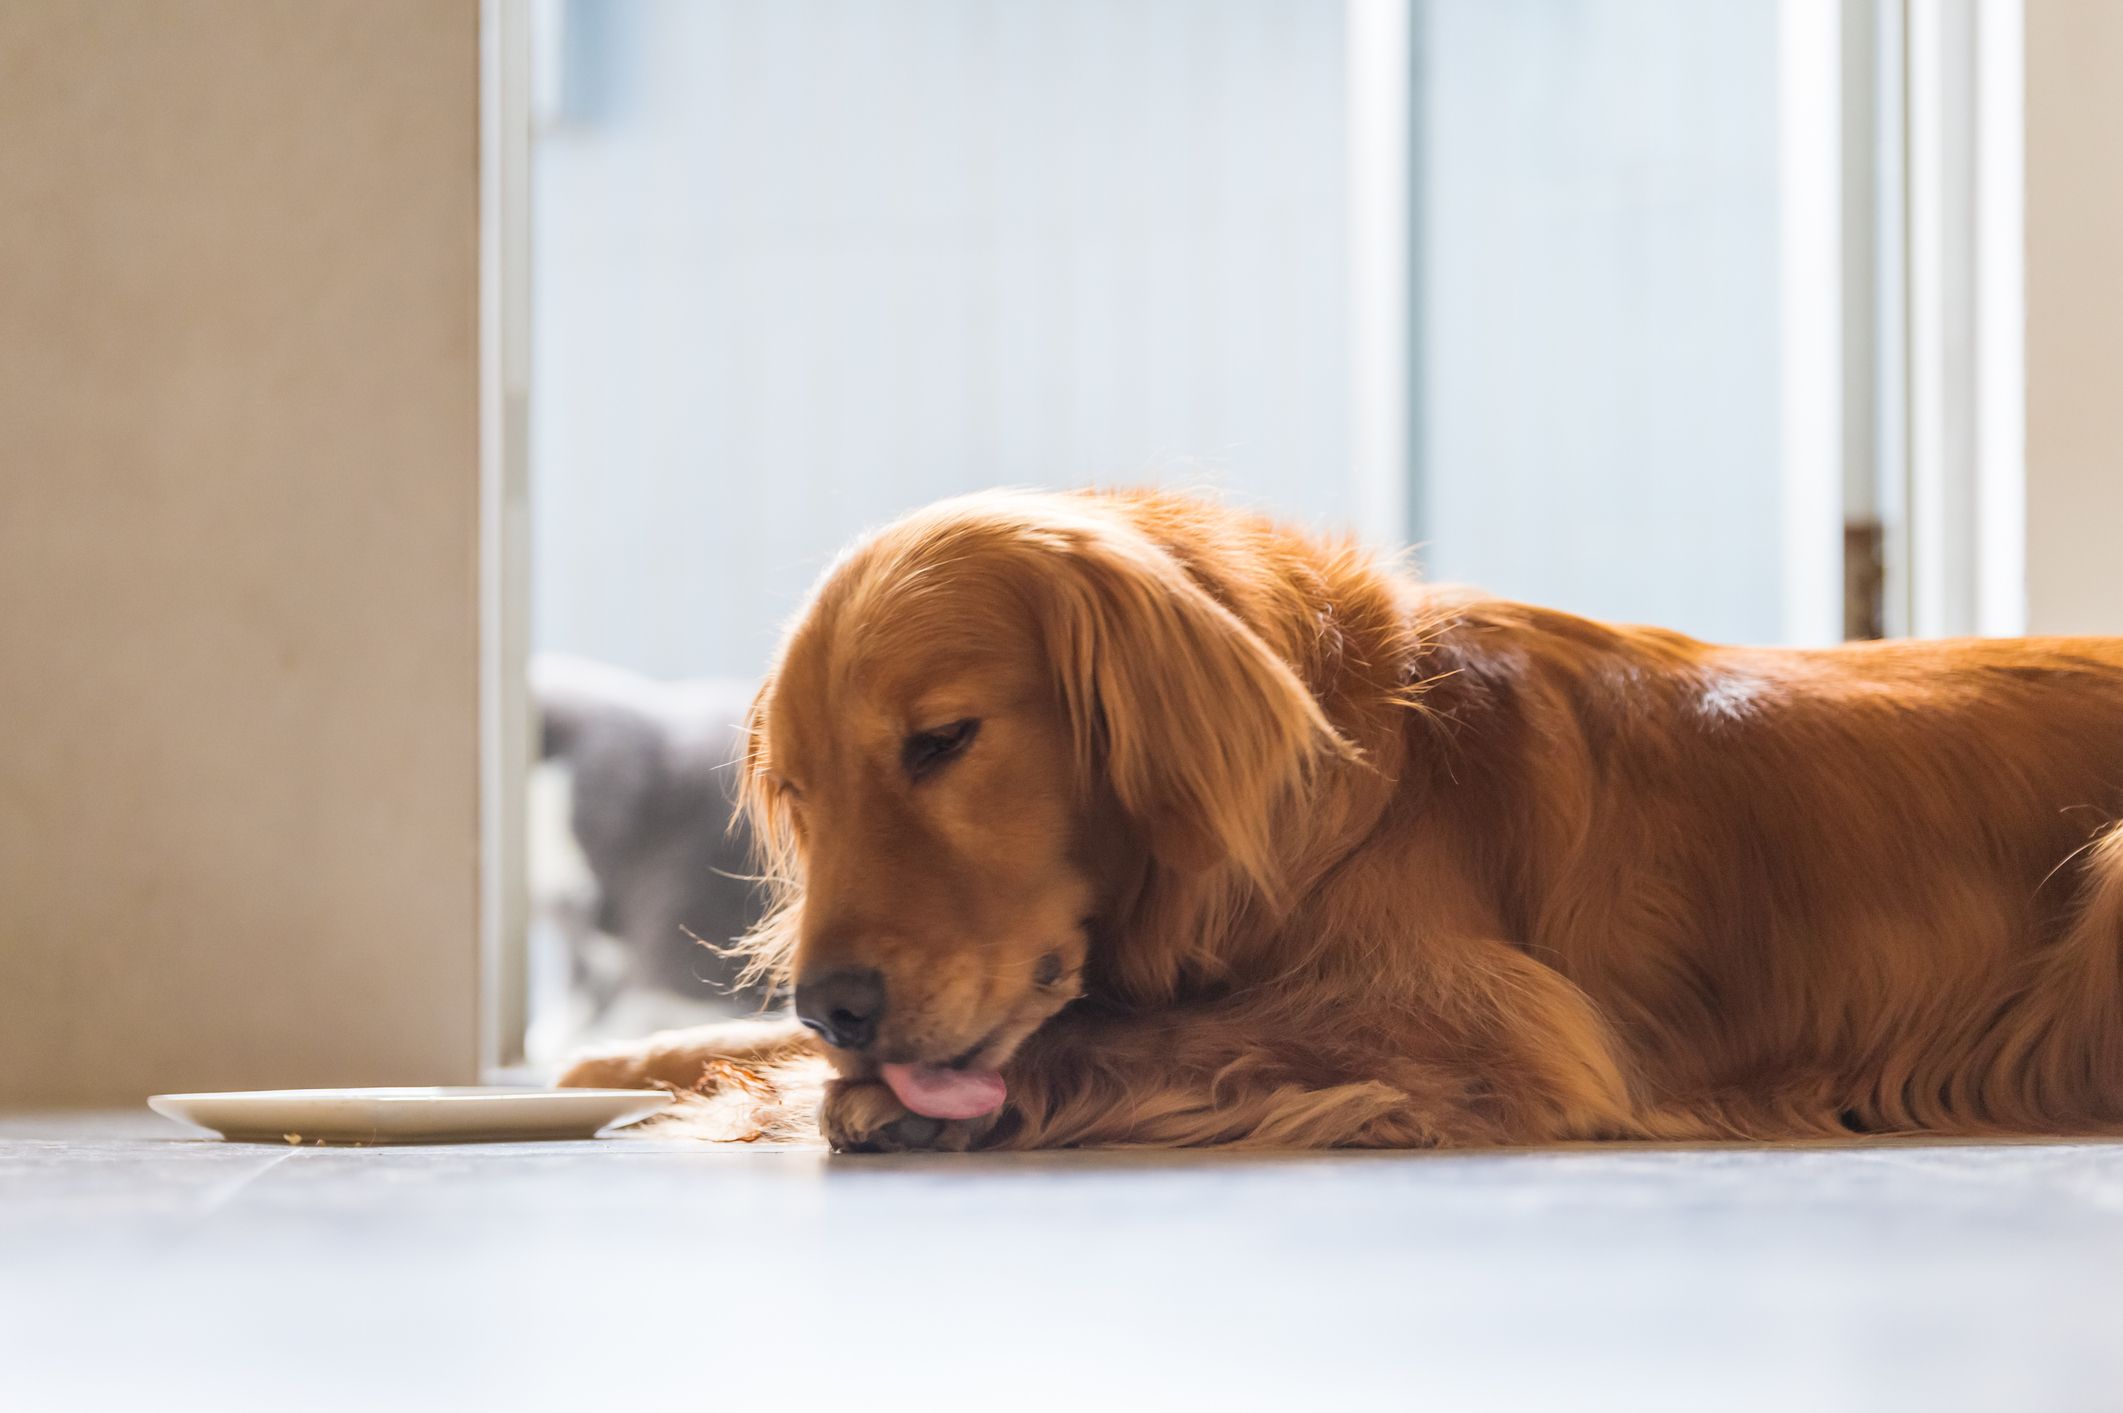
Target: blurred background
{"points": [[1581, 298], [801, 267]]}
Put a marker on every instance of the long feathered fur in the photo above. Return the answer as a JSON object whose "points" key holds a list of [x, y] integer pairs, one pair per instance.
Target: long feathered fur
{"points": [[1386, 864]]}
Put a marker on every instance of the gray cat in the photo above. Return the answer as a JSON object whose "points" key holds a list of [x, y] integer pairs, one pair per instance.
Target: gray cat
{"points": [[651, 768]]}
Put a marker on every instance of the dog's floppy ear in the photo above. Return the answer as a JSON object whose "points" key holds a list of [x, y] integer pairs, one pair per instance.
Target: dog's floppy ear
{"points": [[763, 811], [1198, 726]]}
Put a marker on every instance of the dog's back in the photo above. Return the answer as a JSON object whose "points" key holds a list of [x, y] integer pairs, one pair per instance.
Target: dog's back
{"points": [[1876, 884]]}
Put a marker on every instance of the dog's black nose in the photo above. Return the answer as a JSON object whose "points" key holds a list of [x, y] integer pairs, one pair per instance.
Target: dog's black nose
{"points": [[843, 1006]]}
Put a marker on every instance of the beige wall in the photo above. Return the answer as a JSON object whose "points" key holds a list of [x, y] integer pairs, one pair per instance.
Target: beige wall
{"points": [[2074, 86], [238, 533]]}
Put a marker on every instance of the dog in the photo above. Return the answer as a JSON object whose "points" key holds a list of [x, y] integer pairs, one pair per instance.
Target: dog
{"points": [[1127, 818]]}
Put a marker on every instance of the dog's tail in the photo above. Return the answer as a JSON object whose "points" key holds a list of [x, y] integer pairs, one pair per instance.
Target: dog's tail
{"points": [[2055, 1059]]}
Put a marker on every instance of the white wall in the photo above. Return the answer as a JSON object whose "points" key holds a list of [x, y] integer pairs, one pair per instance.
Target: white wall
{"points": [[803, 266], [1599, 307]]}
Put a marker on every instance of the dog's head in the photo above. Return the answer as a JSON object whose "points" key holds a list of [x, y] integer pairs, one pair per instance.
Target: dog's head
{"points": [[996, 723]]}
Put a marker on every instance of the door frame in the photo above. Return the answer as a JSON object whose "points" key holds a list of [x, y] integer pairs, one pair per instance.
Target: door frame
{"points": [[506, 748]]}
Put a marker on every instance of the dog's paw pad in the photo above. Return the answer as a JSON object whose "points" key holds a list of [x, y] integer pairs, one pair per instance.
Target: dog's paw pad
{"points": [[915, 1131]]}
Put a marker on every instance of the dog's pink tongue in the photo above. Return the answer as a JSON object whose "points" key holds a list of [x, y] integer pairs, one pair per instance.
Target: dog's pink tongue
{"points": [[937, 1092]]}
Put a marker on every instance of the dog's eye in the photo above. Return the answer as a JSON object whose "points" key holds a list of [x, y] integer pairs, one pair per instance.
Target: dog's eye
{"points": [[924, 751]]}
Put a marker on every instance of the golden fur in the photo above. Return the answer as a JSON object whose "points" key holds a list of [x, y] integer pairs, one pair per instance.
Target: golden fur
{"points": [[1326, 857]]}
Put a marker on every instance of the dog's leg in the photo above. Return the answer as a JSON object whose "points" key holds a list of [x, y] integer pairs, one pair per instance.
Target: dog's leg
{"points": [[1212, 1078], [688, 1059], [1517, 1056]]}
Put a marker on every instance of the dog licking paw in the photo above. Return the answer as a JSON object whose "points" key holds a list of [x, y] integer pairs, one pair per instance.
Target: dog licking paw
{"points": [[864, 1116]]}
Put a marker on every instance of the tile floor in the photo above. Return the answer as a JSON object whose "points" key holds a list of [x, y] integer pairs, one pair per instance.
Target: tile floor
{"points": [[141, 1268]]}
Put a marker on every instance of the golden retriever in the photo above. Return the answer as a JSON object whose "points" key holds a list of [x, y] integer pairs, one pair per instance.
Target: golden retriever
{"points": [[1127, 818]]}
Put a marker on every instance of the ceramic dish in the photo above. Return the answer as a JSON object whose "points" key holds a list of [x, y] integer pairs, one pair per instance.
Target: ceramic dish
{"points": [[470, 1115]]}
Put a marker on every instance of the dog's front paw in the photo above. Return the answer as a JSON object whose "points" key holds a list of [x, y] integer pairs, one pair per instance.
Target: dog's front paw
{"points": [[864, 1116]]}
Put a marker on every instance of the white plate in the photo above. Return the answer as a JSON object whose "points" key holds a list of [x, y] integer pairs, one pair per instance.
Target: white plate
{"points": [[489, 1114]]}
